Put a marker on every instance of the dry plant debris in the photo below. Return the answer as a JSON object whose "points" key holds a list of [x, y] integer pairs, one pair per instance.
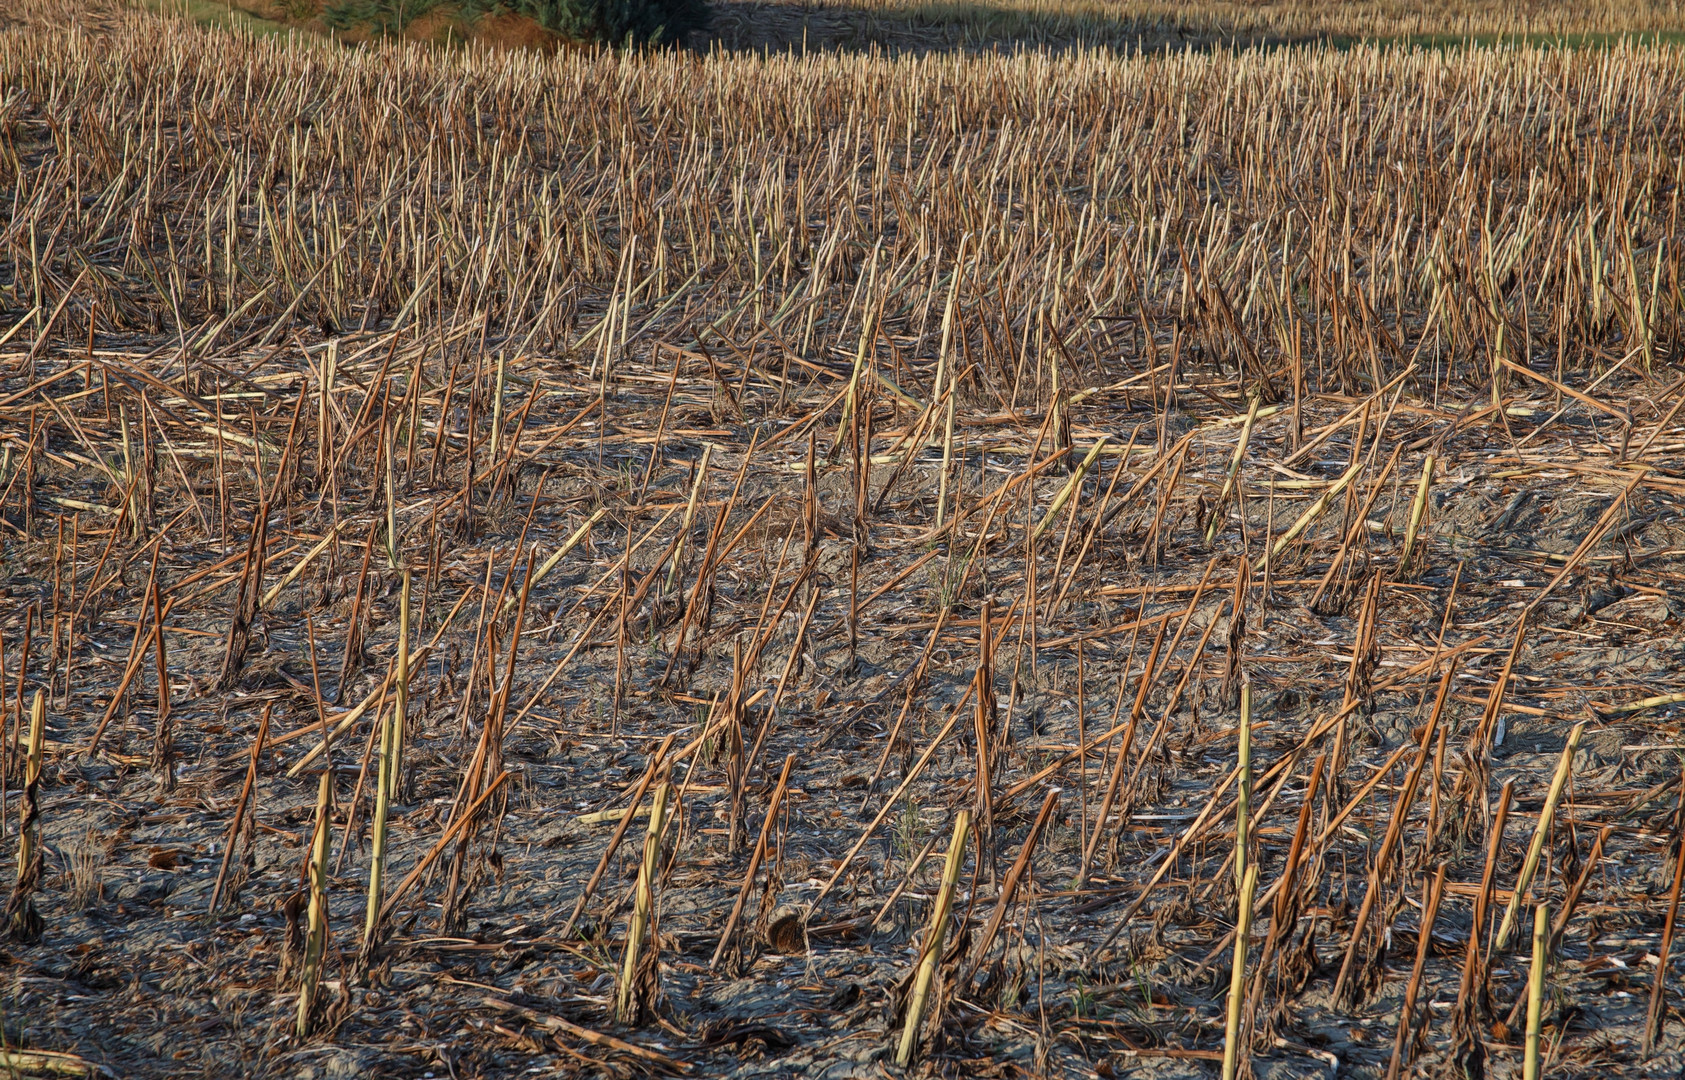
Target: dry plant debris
{"points": [[469, 448]]}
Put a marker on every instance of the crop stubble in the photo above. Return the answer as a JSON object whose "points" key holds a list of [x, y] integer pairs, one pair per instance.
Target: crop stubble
{"points": [[732, 334]]}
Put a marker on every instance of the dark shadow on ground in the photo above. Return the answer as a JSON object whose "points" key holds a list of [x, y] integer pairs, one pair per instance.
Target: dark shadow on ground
{"points": [[777, 26], [898, 27], [772, 26]]}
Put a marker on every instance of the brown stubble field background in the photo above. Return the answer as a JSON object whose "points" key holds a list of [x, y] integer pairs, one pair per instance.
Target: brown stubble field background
{"points": [[883, 438]]}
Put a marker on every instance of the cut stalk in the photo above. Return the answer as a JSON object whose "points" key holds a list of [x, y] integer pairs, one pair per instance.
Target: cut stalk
{"points": [[1407, 1010], [1071, 485], [1234, 469], [316, 940], [391, 506], [754, 860], [401, 688], [1418, 511], [1536, 992], [1656, 1017], [240, 807], [1243, 801], [931, 954], [651, 771], [20, 914], [1237, 975], [625, 1007], [386, 783], [690, 514]]}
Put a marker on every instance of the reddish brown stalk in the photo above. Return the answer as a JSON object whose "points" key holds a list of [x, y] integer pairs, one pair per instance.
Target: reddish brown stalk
{"points": [[1360, 523], [1009, 888], [1093, 529], [703, 574], [1656, 1016], [1136, 711], [1472, 998], [1571, 901], [163, 740], [1287, 895], [237, 819], [1395, 831], [245, 602], [983, 722], [404, 886], [651, 770], [1402, 1041], [135, 657], [352, 815], [351, 648], [754, 859]]}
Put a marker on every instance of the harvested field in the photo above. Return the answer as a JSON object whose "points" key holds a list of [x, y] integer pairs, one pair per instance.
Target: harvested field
{"points": [[1024, 518]]}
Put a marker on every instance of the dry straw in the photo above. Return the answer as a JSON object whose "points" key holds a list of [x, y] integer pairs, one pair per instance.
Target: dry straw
{"points": [[930, 954]]}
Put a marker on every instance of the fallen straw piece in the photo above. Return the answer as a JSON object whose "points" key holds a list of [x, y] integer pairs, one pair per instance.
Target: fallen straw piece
{"points": [[292, 575], [1071, 486], [549, 564], [1647, 703], [1564, 767], [1308, 518], [24, 1062], [595, 1038]]}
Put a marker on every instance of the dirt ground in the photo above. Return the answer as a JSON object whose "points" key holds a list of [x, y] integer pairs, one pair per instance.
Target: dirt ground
{"points": [[133, 971]]}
